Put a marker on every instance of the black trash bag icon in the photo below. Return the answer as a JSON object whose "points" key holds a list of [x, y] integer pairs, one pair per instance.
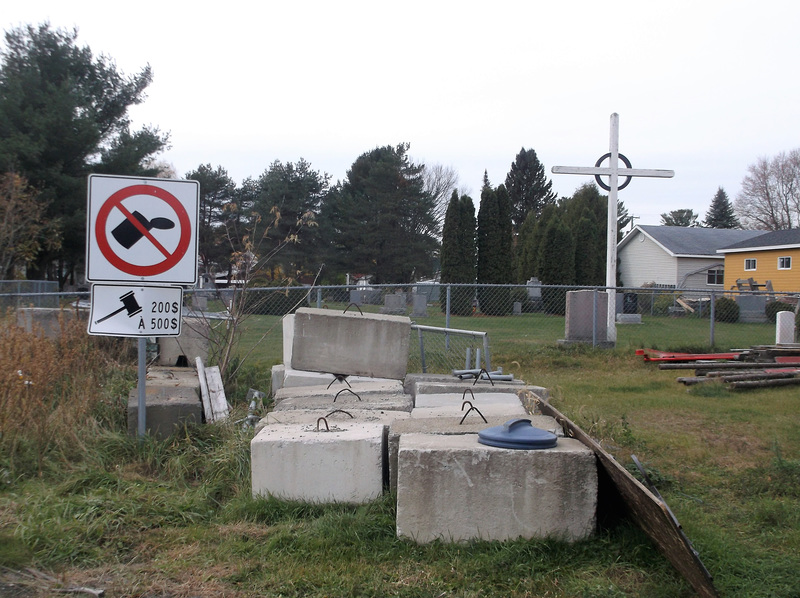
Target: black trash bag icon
{"points": [[127, 234]]}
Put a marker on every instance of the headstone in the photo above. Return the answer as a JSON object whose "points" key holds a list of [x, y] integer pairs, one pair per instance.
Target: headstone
{"points": [[784, 328], [585, 320], [517, 308], [199, 302], [394, 304], [419, 306], [534, 289], [752, 308]]}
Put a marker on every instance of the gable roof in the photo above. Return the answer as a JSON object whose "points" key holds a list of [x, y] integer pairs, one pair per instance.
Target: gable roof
{"points": [[683, 241], [778, 239]]}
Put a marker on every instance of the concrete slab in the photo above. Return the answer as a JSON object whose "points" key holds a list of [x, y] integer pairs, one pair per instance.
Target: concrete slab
{"points": [[334, 416], [296, 462], [365, 390], [352, 343], [451, 426], [455, 489], [285, 377]]}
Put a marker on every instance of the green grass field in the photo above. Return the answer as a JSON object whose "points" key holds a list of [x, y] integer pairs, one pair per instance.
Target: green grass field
{"points": [[175, 518]]}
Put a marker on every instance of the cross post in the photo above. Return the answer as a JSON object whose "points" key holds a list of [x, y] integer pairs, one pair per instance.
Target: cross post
{"points": [[613, 171]]}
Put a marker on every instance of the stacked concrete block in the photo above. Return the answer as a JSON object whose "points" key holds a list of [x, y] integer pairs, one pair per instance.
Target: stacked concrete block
{"points": [[453, 488], [451, 405], [387, 396], [172, 401], [339, 462], [351, 343], [183, 350], [450, 426]]}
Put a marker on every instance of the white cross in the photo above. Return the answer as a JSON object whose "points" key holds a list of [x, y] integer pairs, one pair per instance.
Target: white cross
{"points": [[613, 171]]}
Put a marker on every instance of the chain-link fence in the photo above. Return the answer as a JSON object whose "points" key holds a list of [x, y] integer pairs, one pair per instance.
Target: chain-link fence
{"points": [[459, 326]]}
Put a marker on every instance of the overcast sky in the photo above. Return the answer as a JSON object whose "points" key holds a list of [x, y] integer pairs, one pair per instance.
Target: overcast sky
{"points": [[703, 88]]}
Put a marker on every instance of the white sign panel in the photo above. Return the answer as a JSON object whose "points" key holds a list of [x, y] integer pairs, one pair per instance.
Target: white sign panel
{"points": [[142, 230], [119, 310]]}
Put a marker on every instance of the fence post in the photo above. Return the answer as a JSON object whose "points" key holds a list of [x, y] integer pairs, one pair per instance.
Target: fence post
{"points": [[319, 298], [421, 351], [712, 316], [594, 318], [447, 319]]}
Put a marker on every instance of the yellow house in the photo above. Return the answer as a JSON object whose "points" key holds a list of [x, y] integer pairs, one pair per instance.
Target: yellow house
{"points": [[773, 256]]}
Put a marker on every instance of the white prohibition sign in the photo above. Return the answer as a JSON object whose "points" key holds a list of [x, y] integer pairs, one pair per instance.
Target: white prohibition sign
{"points": [[142, 230], [134, 311]]}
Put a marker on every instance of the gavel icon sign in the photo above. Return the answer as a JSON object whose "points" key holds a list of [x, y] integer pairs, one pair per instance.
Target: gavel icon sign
{"points": [[128, 303], [127, 233]]}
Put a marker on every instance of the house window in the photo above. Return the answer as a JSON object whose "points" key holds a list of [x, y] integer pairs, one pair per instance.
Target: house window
{"points": [[750, 264], [785, 263], [716, 277]]}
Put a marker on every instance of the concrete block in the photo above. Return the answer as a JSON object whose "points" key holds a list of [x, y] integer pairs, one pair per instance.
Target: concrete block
{"points": [[452, 426], [296, 462], [333, 416], [288, 338], [167, 409], [373, 345], [454, 489], [453, 405], [291, 378], [276, 378], [50, 320], [184, 349]]}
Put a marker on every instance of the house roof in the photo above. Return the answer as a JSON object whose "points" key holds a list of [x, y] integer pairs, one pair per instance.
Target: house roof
{"points": [[683, 241], [778, 239]]}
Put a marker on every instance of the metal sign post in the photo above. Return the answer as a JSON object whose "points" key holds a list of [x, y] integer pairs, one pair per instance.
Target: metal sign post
{"points": [[613, 171], [140, 232]]}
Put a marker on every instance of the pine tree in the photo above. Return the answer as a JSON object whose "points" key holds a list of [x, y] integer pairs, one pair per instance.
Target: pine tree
{"points": [[458, 253], [495, 261], [556, 264], [528, 188], [721, 214]]}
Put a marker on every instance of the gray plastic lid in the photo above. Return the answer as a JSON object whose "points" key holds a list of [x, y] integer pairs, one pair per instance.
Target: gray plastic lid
{"points": [[517, 434]]}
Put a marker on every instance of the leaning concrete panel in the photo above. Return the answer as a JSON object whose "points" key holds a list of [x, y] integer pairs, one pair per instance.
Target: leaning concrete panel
{"points": [[454, 489], [297, 462], [351, 343]]}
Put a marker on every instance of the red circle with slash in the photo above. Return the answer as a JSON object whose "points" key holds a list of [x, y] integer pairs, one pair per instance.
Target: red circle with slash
{"points": [[171, 259]]}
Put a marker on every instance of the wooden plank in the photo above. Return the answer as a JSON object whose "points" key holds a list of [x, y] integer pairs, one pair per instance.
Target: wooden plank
{"points": [[684, 305], [204, 396], [216, 394], [650, 513]]}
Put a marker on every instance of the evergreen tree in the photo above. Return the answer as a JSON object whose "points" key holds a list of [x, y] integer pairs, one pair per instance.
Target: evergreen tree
{"points": [[458, 253], [495, 260], [721, 214], [528, 188], [556, 264], [684, 217], [64, 115], [380, 221]]}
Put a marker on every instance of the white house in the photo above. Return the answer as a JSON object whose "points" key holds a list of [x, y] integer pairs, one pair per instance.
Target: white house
{"points": [[676, 256]]}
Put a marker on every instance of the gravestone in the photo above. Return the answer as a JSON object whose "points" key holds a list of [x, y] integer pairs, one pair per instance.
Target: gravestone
{"points": [[517, 308], [752, 308], [199, 302], [784, 328], [585, 320], [394, 304], [419, 306], [534, 289]]}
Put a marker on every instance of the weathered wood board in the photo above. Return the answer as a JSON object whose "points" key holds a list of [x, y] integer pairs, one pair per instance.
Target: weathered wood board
{"points": [[650, 513]]}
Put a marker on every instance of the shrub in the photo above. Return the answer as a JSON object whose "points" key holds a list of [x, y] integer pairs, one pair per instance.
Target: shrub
{"points": [[773, 307], [662, 303], [726, 310]]}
